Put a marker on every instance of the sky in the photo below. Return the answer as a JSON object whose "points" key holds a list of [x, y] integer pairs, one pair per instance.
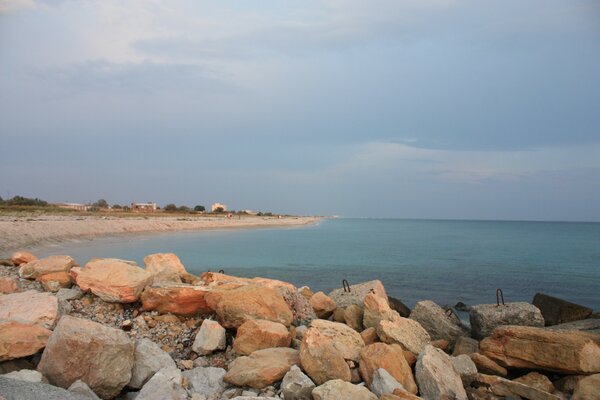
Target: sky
{"points": [[461, 109]]}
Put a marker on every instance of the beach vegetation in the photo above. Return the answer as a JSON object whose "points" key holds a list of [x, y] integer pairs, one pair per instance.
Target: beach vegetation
{"points": [[170, 207], [24, 201], [183, 209], [199, 208], [101, 204], [117, 207], [219, 210]]}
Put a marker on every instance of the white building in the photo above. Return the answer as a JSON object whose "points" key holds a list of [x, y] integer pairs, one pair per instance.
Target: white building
{"points": [[218, 206]]}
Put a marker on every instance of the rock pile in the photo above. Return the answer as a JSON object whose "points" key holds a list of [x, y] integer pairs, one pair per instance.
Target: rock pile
{"points": [[115, 330]]}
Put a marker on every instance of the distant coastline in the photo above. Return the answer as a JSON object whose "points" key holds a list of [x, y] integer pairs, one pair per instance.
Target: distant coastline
{"points": [[31, 231]]}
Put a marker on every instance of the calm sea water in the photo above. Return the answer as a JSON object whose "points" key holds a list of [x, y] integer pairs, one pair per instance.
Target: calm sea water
{"points": [[445, 261]]}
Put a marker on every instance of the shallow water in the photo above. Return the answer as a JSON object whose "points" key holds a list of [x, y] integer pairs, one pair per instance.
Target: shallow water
{"points": [[446, 261]]}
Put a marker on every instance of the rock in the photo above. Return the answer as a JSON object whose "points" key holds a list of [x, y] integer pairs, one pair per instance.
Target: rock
{"points": [[586, 325], [262, 368], [22, 257], [369, 336], [114, 281], [441, 344], [465, 367], [436, 322], [302, 311], [338, 389], [587, 388], [511, 389], [73, 293], [322, 304], [399, 307], [164, 385], [391, 359], [9, 285], [101, 356], [465, 345], [487, 366], [569, 352], [406, 332], [252, 302], [338, 315], [376, 308], [557, 311], [383, 383], [21, 339], [399, 394], [80, 388], [306, 292], [410, 358], [178, 299], [437, 377], [27, 375], [5, 262], [343, 338], [567, 383], [48, 265], [486, 317], [536, 380], [148, 359], [55, 281], [30, 306], [206, 381], [321, 360], [210, 337], [13, 389], [260, 334], [353, 317], [357, 293], [460, 306], [164, 267], [296, 385]]}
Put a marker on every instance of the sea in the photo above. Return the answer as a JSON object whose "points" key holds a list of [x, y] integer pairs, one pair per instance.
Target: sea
{"points": [[447, 261]]}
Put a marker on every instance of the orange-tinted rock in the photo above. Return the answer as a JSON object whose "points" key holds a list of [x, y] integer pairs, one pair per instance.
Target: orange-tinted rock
{"points": [[252, 302], [321, 361], [306, 292], [381, 355], [376, 308], [343, 338], [353, 317], [101, 356], [406, 332], [165, 267], [179, 299], [322, 304], [536, 380], [114, 281], [441, 344], [43, 266], [262, 368], [8, 284], [54, 281], [260, 334], [22, 257], [21, 339], [409, 356], [30, 306], [357, 293], [486, 366], [217, 279], [369, 336]]}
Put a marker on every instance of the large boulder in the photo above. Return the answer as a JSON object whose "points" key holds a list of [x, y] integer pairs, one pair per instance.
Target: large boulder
{"points": [[383, 383], [569, 352], [166, 384], [9, 284], [252, 302], [55, 281], [149, 358], [436, 322], [487, 366], [353, 317], [22, 257], [164, 267], [406, 332], [437, 377], [101, 356], [343, 338], [210, 337], [536, 380], [27, 375], [465, 345], [391, 359], [357, 293], [262, 368], [301, 309], [178, 299], [14, 389], [486, 317], [511, 389], [338, 389], [590, 325], [114, 281], [465, 367], [258, 334], [206, 381], [323, 305], [587, 388], [376, 308], [30, 306], [321, 360], [296, 385], [557, 311], [21, 339], [48, 265]]}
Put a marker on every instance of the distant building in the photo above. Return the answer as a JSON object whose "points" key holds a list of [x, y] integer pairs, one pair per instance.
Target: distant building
{"points": [[74, 206], [250, 212], [218, 206], [143, 207]]}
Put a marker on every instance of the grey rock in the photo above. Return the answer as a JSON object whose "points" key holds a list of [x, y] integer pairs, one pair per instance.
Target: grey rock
{"points": [[465, 367], [149, 358], [164, 385], [557, 311], [436, 322], [465, 345], [13, 389], [357, 293], [27, 375], [436, 376], [81, 388], [296, 385], [207, 381], [300, 330], [210, 337], [398, 306], [231, 393], [591, 325], [384, 383], [73, 293], [486, 317]]}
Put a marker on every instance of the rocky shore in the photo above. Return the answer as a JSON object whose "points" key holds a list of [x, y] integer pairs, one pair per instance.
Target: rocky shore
{"points": [[112, 329]]}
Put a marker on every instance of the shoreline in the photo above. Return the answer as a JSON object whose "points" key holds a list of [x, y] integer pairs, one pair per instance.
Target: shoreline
{"points": [[28, 232]]}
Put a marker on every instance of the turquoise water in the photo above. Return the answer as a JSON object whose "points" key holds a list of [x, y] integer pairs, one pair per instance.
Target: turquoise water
{"points": [[446, 261]]}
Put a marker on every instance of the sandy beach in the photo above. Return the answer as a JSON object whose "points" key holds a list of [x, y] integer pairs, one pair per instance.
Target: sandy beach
{"points": [[26, 232]]}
